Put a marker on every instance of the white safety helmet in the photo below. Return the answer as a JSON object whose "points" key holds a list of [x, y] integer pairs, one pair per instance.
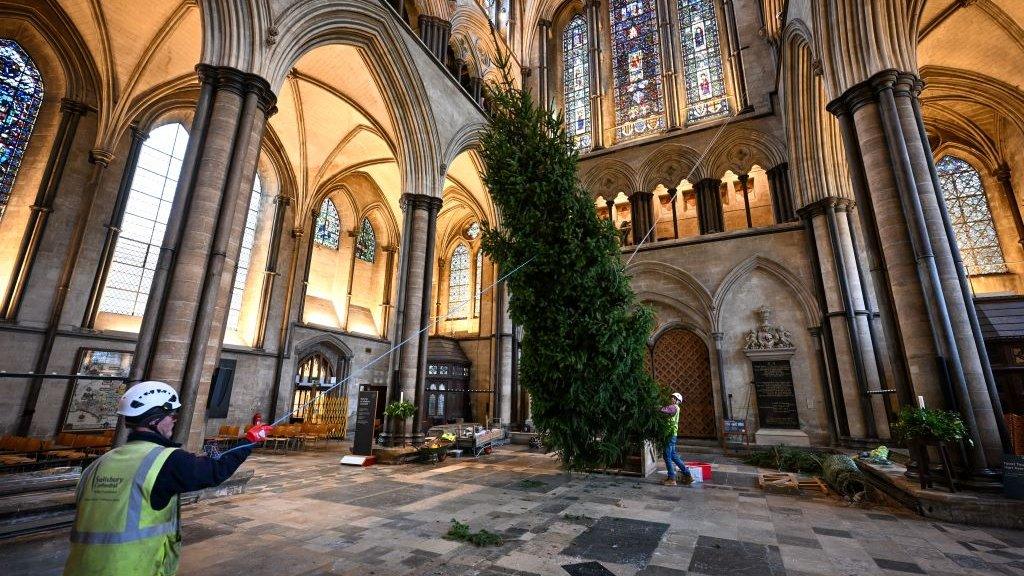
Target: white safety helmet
{"points": [[677, 396], [145, 396]]}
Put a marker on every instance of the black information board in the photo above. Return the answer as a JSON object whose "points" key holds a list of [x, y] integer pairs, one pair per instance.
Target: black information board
{"points": [[1013, 476], [365, 409], [776, 401]]}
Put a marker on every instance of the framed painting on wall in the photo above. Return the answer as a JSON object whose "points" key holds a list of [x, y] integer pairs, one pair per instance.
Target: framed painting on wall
{"points": [[92, 395]]}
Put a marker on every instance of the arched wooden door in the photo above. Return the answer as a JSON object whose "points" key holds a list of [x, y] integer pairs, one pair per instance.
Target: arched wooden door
{"points": [[682, 364]]}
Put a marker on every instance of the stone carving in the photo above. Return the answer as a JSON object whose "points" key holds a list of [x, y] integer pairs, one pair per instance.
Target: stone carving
{"points": [[766, 336]]}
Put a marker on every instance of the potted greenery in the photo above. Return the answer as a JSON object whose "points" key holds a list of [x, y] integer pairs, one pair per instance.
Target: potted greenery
{"points": [[400, 411], [920, 428]]}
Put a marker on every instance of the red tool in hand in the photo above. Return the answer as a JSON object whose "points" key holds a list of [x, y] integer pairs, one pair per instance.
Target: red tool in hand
{"points": [[258, 433]]}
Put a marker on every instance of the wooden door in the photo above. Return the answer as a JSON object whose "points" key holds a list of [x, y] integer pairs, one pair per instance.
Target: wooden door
{"points": [[682, 364]]}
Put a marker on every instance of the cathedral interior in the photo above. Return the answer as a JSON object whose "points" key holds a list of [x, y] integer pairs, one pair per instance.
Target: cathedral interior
{"points": [[276, 205]]}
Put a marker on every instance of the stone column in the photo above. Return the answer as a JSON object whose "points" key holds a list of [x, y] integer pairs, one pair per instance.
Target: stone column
{"points": [[594, 41], [113, 228], [190, 311], [420, 213], [710, 216], [668, 65], [743, 179], [100, 159], [270, 271], [435, 33], [505, 351], [642, 208], [846, 319], [1002, 175], [930, 323], [543, 65], [389, 275], [42, 206], [432, 206], [736, 58], [782, 195]]}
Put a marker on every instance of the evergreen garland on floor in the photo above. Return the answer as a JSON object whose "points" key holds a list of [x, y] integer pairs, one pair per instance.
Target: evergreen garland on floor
{"points": [[584, 334]]}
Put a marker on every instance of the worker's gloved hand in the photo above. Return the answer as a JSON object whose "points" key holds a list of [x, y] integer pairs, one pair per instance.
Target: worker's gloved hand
{"points": [[258, 433]]}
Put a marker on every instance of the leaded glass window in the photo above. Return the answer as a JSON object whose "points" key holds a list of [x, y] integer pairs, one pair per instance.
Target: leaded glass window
{"points": [[366, 242], [636, 69], [154, 181], [21, 94], [702, 61], [972, 220], [576, 82], [458, 282], [479, 282], [245, 254], [328, 226]]}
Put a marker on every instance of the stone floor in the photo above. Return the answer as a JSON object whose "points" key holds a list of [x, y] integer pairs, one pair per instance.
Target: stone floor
{"points": [[305, 515]]}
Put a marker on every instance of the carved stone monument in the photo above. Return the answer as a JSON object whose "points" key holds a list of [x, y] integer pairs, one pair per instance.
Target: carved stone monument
{"points": [[770, 348]]}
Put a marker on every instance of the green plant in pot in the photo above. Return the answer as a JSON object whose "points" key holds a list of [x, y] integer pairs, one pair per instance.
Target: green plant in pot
{"points": [[400, 411], [929, 426]]}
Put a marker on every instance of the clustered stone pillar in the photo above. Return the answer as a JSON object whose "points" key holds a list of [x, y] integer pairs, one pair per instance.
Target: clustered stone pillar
{"points": [[70, 114], [847, 316], [544, 39], [667, 40], [1002, 175], [181, 334], [594, 40], [932, 328], [435, 33], [412, 321], [504, 355], [641, 207], [710, 215], [782, 194]]}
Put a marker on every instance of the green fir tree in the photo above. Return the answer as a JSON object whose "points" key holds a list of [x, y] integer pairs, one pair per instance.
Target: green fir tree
{"points": [[584, 333]]}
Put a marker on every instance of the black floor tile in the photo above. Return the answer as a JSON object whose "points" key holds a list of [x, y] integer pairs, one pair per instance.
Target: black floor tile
{"points": [[618, 540], [832, 532], [587, 569], [721, 557], [896, 565]]}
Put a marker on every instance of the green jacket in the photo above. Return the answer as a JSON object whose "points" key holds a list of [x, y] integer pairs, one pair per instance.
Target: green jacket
{"points": [[116, 530]]}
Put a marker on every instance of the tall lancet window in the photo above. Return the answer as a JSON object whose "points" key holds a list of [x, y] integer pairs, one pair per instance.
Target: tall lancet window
{"points": [[971, 217], [145, 218], [245, 254], [636, 69], [576, 82], [458, 283], [477, 296], [702, 61], [366, 242], [21, 94], [328, 226]]}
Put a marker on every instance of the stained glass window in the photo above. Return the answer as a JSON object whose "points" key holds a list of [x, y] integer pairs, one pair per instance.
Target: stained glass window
{"points": [[21, 93], [245, 254], [702, 61], [576, 82], [971, 217], [328, 226], [145, 218], [479, 282], [366, 242], [458, 283], [636, 68]]}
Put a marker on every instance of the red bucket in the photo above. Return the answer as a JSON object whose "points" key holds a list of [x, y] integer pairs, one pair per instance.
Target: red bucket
{"points": [[705, 468]]}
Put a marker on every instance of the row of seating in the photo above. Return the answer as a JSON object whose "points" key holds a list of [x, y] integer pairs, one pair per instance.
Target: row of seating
{"points": [[23, 453]]}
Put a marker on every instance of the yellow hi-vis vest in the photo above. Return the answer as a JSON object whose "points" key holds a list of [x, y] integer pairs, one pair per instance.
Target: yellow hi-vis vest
{"points": [[117, 531]]}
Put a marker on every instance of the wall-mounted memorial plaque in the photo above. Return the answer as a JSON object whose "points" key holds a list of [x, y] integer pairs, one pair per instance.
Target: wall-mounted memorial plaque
{"points": [[773, 387], [769, 348], [365, 408]]}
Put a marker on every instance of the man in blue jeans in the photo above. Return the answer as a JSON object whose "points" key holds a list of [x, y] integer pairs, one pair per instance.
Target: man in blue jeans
{"points": [[671, 458]]}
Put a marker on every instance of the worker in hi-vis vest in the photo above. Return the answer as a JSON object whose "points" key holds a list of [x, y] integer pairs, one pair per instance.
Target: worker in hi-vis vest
{"points": [[127, 523]]}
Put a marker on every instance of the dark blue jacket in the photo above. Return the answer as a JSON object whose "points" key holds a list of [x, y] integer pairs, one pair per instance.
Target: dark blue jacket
{"points": [[185, 472]]}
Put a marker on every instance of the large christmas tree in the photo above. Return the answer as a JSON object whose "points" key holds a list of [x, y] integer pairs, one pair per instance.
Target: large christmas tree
{"points": [[584, 334]]}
